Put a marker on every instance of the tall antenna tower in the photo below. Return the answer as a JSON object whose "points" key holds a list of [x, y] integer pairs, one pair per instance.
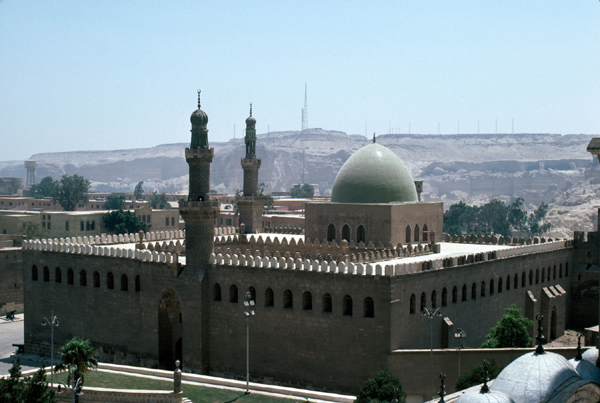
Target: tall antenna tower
{"points": [[305, 110]]}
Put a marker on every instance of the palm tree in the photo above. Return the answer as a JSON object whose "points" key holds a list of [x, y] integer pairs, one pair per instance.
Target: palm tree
{"points": [[77, 357]]}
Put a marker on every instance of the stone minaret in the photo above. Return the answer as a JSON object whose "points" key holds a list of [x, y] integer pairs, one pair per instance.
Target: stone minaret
{"points": [[252, 202], [199, 211]]}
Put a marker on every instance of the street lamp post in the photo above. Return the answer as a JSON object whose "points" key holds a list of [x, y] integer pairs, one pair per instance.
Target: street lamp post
{"points": [[430, 315], [52, 322], [460, 334], [249, 312]]}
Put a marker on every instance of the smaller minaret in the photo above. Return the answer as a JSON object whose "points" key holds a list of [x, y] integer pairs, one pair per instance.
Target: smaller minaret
{"points": [[251, 203]]}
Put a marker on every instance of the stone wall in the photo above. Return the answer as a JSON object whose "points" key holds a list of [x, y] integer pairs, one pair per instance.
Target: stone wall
{"points": [[11, 280]]}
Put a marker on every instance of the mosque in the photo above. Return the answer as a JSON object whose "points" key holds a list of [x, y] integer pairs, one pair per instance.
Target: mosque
{"points": [[331, 308]]}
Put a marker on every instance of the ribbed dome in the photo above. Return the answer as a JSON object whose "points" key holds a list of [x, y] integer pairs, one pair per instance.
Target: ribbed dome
{"points": [[586, 370], [374, 174], [473, 396], [532, 377]]}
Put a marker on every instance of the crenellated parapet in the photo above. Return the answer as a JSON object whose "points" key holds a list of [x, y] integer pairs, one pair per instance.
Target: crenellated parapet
{"points": [[277, 261]]}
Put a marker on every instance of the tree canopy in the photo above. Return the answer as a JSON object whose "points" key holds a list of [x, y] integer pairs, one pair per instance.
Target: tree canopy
{"points": [[70, 190], [15, 389], [306, 191], [77, 355], [42, 189], [475, 375], [495, 217], [114, 201], [159, 201], [380, 389], [512, 330], [123, 222], [138, 192]]}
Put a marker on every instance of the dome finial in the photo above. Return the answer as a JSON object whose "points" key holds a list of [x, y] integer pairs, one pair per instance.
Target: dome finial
{"points": [[540, 336], [250, 108], [578, 357], [373, 137], [199, 98], [485, 378]]}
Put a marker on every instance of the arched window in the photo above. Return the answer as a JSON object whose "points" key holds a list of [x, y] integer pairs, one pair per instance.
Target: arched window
{"points": [[464, 293], [346, 233], [507, 283], [474, 292], [330, 232], [46, 274], [288, 300], [124, 283], [482, 289], [530, 277], [408, 234], [347, 305], [83, 278], [96, 279], [425, 233], [307, 301], [70, 280], [543, 274], [252, 291], [326, 302], [369, 308], [454, 295], [137, 284], [423, 302], [57, 275], [34, 273], [492, 287], [413, 304], [433, 299], [269, 302], [233, 294], [560, 270], [217, 292], [110, 281], [361, 234], [444, 297], [537, 276]]}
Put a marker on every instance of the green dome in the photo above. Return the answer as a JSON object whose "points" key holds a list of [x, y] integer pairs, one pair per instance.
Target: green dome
{"points": [[373, 174]]}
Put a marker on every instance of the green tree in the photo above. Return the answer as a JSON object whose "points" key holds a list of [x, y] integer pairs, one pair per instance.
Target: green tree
{"points": [[159, 201], [138, 192], [71, 190], [512, 330], [77, 357], [474, 375], [123, 222], [380, 389], [305, 191], [114, 201], [42, 189], [33, 230]]}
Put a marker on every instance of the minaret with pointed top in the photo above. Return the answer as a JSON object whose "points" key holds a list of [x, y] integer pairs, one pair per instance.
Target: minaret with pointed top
{"points": [[252, 202], [199, 211]]}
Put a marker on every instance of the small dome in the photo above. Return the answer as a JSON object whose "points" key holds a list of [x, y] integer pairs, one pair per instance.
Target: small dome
{"points": [[586, 370], [199, 118], [374, 174], [591, 355], [533, 377], [473, 396]]}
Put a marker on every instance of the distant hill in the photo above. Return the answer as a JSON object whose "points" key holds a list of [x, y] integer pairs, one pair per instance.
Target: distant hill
{"points": [[474, 168]]}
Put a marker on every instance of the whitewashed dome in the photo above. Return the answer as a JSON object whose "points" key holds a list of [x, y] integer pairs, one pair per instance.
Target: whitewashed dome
{"points": [[533, 377]]}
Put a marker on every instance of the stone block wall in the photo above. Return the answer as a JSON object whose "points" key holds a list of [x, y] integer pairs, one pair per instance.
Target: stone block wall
{"points": [[11, 280]]}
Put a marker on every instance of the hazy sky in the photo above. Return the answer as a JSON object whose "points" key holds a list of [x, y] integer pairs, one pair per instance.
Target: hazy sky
{"points": [[86, 75]]}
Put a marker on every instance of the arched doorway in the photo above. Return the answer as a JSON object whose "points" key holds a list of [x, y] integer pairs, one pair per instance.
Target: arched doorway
{"points": [[170, 330], [553, 324]]}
